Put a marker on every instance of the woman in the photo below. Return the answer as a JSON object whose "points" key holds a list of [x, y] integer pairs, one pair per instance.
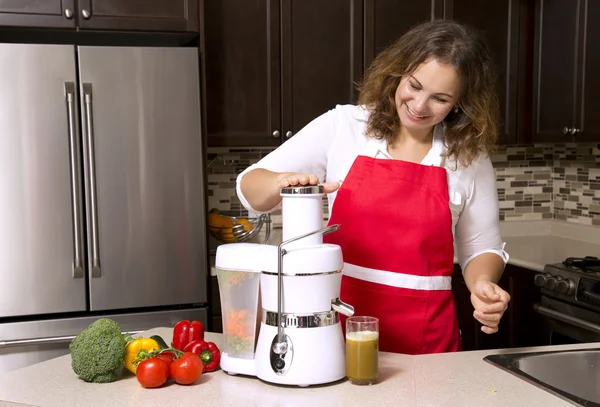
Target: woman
{"points": [[414, 176]]}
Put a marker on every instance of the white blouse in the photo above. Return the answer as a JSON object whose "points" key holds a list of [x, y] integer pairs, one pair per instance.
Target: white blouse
{"points": [[329, 144]]}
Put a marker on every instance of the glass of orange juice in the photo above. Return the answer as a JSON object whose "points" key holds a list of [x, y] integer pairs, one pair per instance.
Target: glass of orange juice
{"points": [[362, 350]]}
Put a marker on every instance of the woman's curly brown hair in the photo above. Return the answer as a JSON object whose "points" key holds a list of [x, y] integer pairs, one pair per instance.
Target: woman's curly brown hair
{"points": [[470, 131]]}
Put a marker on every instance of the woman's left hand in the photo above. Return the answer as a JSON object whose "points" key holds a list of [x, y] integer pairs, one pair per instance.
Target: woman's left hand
{"points": [[490, 301]]}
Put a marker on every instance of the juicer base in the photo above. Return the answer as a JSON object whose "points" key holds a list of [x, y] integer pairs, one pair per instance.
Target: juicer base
{"points": [[319, 355], [235, 366]]}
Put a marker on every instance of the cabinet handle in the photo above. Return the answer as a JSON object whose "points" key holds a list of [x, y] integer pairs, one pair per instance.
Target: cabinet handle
{"points": [[74, 155], [86, 14], [289, 134], [572, 131], [68, 13], [89, 132], [276, 134]]}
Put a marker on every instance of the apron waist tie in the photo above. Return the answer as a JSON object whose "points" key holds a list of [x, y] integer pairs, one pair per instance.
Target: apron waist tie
{"points": [[399, 280]]}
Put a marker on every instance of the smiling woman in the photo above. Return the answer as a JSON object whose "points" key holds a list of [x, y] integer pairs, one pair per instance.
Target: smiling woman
{"points": [[413, 155], [444, 72]]}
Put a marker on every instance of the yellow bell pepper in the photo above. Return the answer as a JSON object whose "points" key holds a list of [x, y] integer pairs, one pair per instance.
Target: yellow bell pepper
{"points": [[136, 349]]}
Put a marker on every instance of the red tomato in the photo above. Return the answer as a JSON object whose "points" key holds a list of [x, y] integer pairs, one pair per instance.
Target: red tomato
{"points": [[152, 372], [187, 369], [167, 357]]}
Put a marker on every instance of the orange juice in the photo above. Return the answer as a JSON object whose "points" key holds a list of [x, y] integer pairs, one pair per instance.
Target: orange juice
{"points": [[362, 356]]}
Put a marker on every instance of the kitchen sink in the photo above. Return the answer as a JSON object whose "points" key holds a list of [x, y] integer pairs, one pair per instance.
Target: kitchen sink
{"points": [[573, 375]]}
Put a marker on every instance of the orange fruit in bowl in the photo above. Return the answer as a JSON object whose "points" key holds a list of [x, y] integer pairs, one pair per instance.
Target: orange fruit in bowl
{"points": [[214, 220], [247, 225]]}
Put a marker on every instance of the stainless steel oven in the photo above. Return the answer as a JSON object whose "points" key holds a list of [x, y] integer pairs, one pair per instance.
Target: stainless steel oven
{"points": [[570, 300]]}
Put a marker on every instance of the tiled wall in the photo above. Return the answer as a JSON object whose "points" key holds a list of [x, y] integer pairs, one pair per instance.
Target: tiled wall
{"points": [[534, 182]]}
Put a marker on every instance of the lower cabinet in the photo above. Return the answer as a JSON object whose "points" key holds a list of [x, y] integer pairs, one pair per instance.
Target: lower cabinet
{"points": [[520, 326], [214, 309]]}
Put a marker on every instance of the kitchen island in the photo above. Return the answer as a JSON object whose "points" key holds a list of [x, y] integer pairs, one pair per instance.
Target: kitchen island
{"points": [[457, 379]]}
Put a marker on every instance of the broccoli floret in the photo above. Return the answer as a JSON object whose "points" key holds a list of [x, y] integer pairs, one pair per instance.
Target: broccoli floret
{"points": [[98, 352]]}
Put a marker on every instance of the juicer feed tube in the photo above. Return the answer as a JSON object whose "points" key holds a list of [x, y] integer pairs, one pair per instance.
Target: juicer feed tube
{"points": [[280, 347]]}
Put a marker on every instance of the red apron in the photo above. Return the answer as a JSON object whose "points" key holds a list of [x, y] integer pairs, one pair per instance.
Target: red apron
{"points": [[396, 239]]}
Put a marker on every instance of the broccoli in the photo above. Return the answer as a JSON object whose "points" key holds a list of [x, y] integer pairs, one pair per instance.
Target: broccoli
{"points": [[98, 352]]}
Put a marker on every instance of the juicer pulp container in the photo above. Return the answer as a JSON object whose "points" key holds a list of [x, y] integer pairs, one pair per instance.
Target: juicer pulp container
{"points": [[238, 275]]}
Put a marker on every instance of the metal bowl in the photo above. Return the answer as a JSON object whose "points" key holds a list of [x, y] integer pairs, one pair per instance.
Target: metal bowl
{"points": [[239, 228]]}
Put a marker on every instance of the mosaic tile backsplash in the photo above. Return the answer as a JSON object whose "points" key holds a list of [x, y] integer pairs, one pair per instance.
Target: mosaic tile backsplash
{"points": [[559, 181]]}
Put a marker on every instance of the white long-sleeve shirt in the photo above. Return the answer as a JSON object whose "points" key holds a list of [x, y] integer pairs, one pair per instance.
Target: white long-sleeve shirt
{"points": [[329, 144]]}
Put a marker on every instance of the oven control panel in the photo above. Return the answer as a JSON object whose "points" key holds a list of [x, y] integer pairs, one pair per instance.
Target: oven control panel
{"points": [[555, 283], [570, 284]]}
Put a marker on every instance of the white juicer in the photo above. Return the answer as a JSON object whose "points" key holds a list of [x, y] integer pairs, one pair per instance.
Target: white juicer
{"points": [[280, 304]]}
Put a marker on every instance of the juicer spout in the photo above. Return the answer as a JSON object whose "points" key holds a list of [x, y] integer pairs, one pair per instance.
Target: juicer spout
{"points": [[342, 307]]}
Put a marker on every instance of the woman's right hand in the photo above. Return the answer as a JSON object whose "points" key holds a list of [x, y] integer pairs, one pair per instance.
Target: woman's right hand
{"points": [[292, 179]]}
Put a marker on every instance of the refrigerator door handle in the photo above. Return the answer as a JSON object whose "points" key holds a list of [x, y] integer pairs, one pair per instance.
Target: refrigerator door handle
{"points": [[50, 339], [75, 194], [89, 130]]}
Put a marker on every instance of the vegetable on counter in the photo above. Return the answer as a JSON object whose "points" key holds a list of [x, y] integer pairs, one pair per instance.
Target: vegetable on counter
{"points": [[152, 372], [209, 353], [161, 342], [98, 352], [187, 369], [185, 332], [136, 351]]}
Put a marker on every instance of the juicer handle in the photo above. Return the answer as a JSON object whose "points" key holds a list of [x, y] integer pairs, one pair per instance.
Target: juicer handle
{"points": [[342, 307], [280, 346]]}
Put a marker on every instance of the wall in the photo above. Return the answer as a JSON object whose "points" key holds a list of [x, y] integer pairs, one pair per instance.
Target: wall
{"points": [[560, 181]]}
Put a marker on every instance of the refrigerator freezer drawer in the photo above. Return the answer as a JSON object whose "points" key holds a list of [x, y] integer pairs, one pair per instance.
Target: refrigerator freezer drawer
{"points": [[26, 343]]}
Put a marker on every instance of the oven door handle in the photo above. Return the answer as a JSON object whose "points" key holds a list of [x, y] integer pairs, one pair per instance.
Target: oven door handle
{"points": [[589, 326]]}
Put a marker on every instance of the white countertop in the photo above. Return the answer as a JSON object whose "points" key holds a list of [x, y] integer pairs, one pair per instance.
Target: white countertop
{"points": [[533, 244], [452, 379]]}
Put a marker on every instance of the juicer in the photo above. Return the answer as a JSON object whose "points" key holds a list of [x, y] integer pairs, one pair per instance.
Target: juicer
{"points": [[280, 304]]}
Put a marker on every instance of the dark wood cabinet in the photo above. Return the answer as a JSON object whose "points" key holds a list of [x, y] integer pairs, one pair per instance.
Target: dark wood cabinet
{"points": [[387, 20], [37, 13], [139, 15], [242, 72], [321, 43], [566, 62], [501, 23], [272, 66], [130, 15], [520, 326]]}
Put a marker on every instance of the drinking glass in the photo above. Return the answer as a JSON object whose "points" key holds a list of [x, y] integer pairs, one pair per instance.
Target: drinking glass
{"points": [[362, 350]]}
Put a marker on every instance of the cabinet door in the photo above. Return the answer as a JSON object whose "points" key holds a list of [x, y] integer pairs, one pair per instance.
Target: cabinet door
{"points": [[242, 73], [588, 119], [498, 20], [387, 20], [37, 13], [321, 58], [142, 15], [555, 68]]}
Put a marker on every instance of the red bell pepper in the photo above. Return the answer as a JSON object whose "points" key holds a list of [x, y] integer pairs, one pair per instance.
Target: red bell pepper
{"points": [[185, 332], [209, 353]]}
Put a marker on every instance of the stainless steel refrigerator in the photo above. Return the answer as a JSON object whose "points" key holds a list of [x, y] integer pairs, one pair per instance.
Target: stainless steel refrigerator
{"points": [[102, 204]]}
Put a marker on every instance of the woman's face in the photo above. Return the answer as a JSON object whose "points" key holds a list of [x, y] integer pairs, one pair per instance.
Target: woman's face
{"points": [[425, 98]]}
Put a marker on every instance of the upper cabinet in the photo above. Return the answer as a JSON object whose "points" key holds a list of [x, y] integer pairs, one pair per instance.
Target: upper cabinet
{"points": [[37, 13], [130, 15], [567, 59], [271, 66], [139, 15], [387, 20], [321, 60], [501, 23]]}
